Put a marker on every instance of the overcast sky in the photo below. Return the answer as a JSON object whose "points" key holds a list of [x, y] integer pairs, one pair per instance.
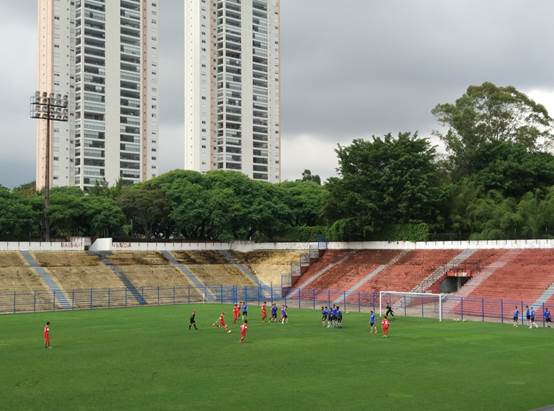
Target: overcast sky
{"points": [[351, 68]]}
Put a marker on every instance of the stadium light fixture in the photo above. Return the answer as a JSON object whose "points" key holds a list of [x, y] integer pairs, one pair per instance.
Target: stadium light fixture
{"points": [[49, 107]]}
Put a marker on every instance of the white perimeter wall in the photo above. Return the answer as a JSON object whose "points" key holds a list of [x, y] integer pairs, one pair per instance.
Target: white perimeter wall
{"points": [[79, 244], [367, 245], [75, 245]]}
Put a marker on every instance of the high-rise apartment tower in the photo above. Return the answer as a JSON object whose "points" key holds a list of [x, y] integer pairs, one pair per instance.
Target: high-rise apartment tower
{"points": [[232, 87], [104, 55]]}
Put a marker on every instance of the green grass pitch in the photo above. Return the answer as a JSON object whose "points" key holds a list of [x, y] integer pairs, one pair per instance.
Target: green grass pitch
{"points": [[147, 359]]}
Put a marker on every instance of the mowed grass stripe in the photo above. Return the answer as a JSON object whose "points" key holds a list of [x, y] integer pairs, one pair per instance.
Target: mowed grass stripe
{"points": [[145, 358]]}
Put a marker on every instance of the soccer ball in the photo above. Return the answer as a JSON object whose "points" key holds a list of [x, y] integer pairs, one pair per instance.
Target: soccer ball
{"points": [[229, 332]]}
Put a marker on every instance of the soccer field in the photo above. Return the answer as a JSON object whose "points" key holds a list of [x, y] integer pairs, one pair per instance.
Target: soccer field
{"points": [[147, 359]]}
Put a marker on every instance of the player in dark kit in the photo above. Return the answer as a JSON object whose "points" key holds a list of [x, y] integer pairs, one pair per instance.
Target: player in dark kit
{"points": [[532, 318], [274, 313], [389, 311], [547, 318], [372, 326], [244, 310], [339, 318], [284, 315], [331, 317], [324, 316], [192, 321]]}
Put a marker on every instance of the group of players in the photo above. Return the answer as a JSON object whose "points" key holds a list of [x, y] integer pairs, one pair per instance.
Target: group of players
{"points": [[331, 317], [240, 311], [530, 317]]}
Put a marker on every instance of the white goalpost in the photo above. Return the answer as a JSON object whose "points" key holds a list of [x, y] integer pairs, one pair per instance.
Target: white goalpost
{"points": [[412, 303]]}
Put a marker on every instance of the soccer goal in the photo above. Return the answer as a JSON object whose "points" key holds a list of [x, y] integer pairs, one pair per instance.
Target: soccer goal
{"points": [[411, 304]]}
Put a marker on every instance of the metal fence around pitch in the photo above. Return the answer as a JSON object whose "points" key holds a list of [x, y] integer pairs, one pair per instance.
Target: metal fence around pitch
{"points": [[453, 307], [92, 298]]}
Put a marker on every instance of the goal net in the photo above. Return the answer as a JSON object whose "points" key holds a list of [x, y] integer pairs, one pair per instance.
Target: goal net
{"points": [[426, 305]]}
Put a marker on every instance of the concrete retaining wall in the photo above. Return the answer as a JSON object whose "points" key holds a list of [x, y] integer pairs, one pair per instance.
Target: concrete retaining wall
{"points": [[79, 245]]}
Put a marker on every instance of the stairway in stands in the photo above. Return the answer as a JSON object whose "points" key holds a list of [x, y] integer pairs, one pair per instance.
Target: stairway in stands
{"points": [[199, 286], [488, 271], [372, 274], [496, 259], [545, 297], [440, 271], [123, 278], [409, 271], [61, 298], [326, 262]]}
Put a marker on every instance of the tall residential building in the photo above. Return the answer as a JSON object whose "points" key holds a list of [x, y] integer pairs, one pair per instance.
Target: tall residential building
{"points": [[56, 74], [104, 55], [232, 87]]}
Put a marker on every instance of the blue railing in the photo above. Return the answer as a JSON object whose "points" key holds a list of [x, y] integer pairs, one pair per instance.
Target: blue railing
{"points": [[453, 307]]}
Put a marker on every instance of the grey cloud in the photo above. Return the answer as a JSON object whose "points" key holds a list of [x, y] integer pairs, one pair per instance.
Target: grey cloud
{"points": [[351, 68], [357, 66]]}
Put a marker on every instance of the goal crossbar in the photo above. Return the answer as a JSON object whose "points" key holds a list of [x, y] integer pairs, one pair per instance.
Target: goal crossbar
{"points": [[439, 297]]}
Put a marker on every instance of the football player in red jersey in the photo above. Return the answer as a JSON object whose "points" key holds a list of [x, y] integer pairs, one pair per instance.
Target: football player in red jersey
{"points": [[46, 334], [243, 329]]}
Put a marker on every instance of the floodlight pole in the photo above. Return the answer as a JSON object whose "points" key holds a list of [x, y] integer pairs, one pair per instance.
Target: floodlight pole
{"points": [[49, 107], [46, 189]]}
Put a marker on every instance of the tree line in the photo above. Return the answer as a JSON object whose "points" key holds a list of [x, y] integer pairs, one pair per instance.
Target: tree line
{"points": [[494, 179]]}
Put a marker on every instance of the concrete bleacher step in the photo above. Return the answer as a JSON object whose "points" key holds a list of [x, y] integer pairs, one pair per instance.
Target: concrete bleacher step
{"points": [[371, 275], [243, 268], [193, 279], [247, 272], [547, 295], [439, 272], [61, 298], [476, 281], [320, 273], [124, 279]]}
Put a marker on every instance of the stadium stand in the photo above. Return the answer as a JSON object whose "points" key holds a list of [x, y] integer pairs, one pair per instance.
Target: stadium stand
{"points": [[212, 268], [149, 271], [510, 275], [549, 303], [137, 258], [136, 277], [347, 273], [11, 259], [410, 270], [527, 276], [269, 265], [17, 276], [326, 262], [74, 270], [339, 271]]}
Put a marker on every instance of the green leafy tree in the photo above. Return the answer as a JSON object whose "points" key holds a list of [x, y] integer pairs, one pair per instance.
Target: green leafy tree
{"points": [[253, 208], [306, 201], [307, 176], [147, 211], [26, 190], [511, 169], [103, 217], [18, 219], [490, 114], [66, 212], [384, 182]]}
